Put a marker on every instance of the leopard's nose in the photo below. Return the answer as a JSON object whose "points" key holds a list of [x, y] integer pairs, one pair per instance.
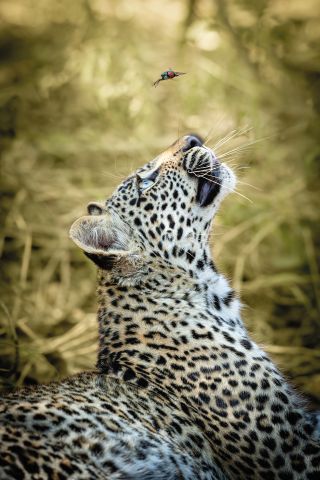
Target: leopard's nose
{"points": [[191, 141]]}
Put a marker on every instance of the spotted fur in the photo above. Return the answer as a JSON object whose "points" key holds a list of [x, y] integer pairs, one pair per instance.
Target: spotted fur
{"points": [[181, 391]]}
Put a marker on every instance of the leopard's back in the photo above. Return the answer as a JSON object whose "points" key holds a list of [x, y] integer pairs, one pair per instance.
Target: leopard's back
{"points": [[92, 427]]}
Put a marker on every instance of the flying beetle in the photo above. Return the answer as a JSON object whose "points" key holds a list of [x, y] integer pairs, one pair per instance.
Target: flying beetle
{"points": [[168, 75]]}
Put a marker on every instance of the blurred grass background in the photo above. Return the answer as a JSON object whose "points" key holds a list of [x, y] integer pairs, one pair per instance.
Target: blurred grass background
{"points": [[78, 112]]}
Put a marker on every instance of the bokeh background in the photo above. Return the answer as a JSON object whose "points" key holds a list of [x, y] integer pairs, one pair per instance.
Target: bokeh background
{"points": [[78, 113]]}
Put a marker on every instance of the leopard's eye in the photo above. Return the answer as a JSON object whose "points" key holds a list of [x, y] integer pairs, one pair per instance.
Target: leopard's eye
{"points": [[145, 183]]}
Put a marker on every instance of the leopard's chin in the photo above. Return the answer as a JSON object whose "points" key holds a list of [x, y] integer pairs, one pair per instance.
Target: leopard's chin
{"points": [[228, 180]]}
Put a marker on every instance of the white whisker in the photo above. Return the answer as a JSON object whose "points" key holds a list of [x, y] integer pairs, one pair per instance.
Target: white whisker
{"points": [[224, 139], [249, 185], [243, 147], [230, 136]]}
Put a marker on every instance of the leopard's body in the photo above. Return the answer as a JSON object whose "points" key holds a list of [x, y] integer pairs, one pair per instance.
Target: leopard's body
{"points": [[92, 427], [181, 391]]}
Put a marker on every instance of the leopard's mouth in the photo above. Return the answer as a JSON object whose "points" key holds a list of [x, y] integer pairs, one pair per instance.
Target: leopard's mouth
{"points": [[201, 162], [209, 187]]}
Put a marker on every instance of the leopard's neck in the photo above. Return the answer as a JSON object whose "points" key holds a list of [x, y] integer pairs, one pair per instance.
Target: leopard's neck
{"points": [[168, 316]]}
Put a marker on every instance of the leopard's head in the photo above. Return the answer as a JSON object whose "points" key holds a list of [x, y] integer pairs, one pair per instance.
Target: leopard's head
{"points": [[163, 212]]}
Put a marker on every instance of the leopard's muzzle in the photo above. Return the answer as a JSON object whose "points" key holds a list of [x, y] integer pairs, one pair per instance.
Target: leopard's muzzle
{"points": [[201, 162]]}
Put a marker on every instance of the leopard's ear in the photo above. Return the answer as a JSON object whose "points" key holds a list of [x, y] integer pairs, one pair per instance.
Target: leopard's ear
{"points": [[108, 244], [95, 235]]}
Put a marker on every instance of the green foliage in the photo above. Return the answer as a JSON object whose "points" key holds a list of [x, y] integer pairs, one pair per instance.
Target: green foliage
{"points": [[78, 112]]}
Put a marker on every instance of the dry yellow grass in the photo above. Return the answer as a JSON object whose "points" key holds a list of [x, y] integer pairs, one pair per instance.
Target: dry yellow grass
{"points": [[78, 113]]}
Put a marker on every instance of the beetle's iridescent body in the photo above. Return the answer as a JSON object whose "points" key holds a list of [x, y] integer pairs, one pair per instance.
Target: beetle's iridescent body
{"points": [[167, 75]]}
